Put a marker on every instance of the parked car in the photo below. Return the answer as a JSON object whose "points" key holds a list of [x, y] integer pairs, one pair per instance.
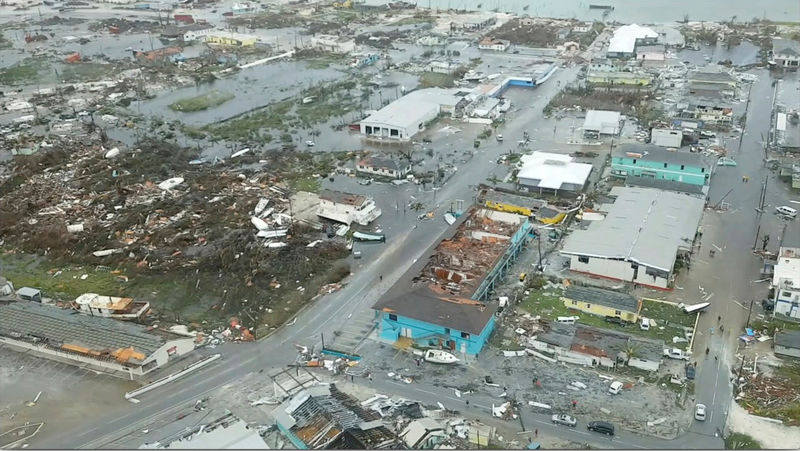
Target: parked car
{"points": [[615, 387], [700, 412], [645, 325], [499, 138], [565, 420], [725, 161], [675, 353], [690, 370], [602, 427], [616, 320]]}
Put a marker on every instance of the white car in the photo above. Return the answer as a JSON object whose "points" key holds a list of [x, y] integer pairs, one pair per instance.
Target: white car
{"points": [[310, 143], [615, 387], [565, 419], [700, 412], [675, 353]]}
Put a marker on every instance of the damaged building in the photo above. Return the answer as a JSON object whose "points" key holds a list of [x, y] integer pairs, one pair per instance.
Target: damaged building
{"points": [[323, 417], [104, 344], [447, 305]]}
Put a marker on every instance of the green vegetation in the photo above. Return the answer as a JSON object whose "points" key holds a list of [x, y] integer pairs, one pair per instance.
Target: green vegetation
{"points": [[416, 19], [30, 70], [738, 440], [60, 282], [82, 72], [671, 318], [436, 80], [771, 324], [202, 102]]}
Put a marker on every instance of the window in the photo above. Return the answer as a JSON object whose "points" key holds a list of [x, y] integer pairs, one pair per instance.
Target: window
{"points": [[617, 312], [574, 302], [464, 335], [702, 170], [785, 294], [634, 161], [447, 331], [583, 259], [588, 305], [682, 167], [392, 317], [665, 165]]}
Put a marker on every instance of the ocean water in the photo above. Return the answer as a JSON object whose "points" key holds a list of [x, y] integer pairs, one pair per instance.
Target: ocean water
{"points": [[629, 11]]}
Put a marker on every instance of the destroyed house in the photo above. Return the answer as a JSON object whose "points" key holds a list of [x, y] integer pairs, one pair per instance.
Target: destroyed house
{"points": [[322, 417], [101, 343], [347, 208], [113, 307], [447, 306], [602, 302]]}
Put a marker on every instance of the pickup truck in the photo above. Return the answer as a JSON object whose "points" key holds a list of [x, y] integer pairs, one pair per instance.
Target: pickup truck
{"points": [[675, 353]]}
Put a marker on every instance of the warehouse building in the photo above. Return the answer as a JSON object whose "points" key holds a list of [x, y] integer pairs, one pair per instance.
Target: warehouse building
{"points": [[640, 239], [625, 39], [602, 122], [408, 115]]}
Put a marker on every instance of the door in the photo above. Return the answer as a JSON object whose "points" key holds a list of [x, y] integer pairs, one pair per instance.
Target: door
{"points": [[405, 332]]}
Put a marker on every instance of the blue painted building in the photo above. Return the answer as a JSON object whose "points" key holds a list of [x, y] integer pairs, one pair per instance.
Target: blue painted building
{"points": [[634, 160], [430, 319], [452, 311]]}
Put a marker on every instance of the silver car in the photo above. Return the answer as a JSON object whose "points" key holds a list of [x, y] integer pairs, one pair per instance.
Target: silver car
{"points": [[565, 419]]}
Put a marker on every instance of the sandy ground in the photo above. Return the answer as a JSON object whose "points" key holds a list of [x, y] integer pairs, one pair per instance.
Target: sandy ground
{"points": [[70, 395], [770, 435]]}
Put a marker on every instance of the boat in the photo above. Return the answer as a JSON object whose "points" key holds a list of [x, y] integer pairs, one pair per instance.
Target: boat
{"points": [[439, 356], [601, 7]]}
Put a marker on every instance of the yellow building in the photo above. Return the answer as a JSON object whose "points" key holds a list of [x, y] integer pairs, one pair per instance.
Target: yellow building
{"points": [[618, 78], [603, 302], [231, 39]]}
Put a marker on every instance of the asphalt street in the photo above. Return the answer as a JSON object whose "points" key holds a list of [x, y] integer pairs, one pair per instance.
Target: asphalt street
{"points": [[734, 233]]}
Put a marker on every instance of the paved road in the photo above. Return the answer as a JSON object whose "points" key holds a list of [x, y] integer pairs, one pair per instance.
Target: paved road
{"points": [[331, 312]]}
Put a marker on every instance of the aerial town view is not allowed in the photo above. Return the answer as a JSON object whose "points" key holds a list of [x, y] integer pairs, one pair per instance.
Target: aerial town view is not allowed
{"points": [[373, 224]]}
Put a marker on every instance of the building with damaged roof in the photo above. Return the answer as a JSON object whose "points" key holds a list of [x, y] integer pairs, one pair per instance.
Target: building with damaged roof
{"points": [[226, 432], [590, 346], [383, 167], [104, 344], [640, 238], [323, 417], [552, 172], [347, 208], [447, 304]]}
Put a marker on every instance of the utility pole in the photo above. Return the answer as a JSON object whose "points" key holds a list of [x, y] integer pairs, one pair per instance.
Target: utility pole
{"points": [[747, 324]]}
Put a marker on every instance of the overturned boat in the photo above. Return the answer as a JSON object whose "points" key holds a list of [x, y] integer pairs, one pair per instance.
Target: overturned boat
{"points": [[439, 356]]}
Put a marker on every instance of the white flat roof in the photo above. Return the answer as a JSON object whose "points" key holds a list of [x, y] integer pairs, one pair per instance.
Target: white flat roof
{"points": [[553, 170], [643, 225], [624, 39], [606, 122], [406, 111], [788, 267]]}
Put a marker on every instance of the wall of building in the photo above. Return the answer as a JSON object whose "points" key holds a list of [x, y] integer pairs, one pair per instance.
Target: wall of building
{"points": [[171, 350], [793, 352], [618, 270], [376, 129], [624, 166], [601, 310], [383, 172], [787, 302], [643, 364], [431, 334], [76, 359]]}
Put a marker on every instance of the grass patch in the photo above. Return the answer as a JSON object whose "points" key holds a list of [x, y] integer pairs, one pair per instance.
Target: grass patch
{"points": [[436, 80], [771, 324], [27, 71], [415, 19], [666, 313], [81, 72], [738, 440], [202, 102], [310, 184], [549, 305], [250, 125]]}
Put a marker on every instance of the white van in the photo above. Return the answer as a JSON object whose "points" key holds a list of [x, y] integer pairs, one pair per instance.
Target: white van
{"points": [[566, 319], [786, 211], [615, 387], [645, 324]]}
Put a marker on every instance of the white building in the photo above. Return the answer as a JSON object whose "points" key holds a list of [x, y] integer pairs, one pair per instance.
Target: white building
{"points": [[197, 34], [786, 282], [226, 432], [552, 171], [102, 344], [666, 137], [644, 231], [786, 53], [625, 39], [111, 307], [408, 115], [334, 44], [347, 208], [499, 45], [602, 122], [383, 167]]}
